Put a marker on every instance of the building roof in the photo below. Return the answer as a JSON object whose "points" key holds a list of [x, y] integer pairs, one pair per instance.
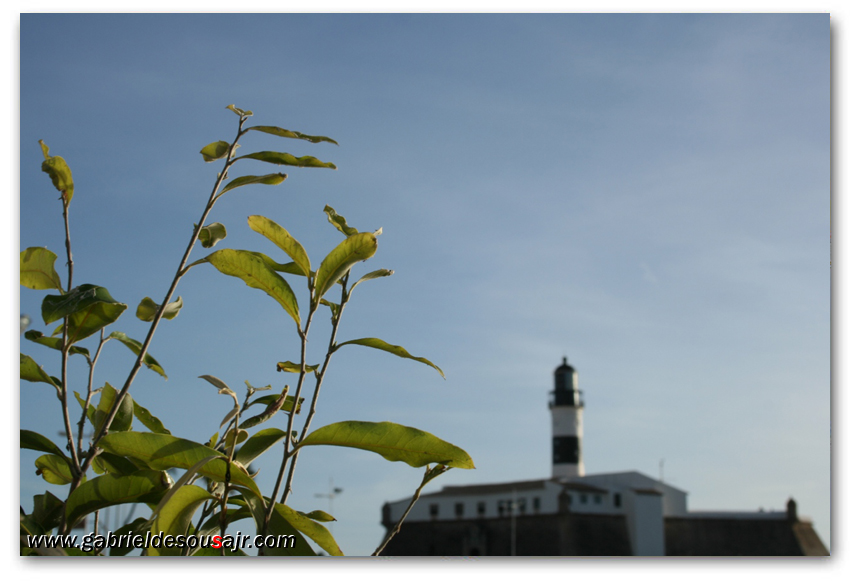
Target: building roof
{"points": [[764, 537], [474, 489]]}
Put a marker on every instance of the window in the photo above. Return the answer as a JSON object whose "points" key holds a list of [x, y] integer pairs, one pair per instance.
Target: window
{"points": [[459, 509], [597, 499], [617, 499], [583, 498], [536, 503], [435, 510], [482, 508]]}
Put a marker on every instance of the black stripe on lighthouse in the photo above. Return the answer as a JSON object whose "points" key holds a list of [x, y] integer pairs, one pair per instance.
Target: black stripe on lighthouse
{"points": [[565, 450]]}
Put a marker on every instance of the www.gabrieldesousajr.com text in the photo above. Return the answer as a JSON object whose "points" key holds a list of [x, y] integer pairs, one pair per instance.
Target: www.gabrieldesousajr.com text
{"points": [[92, 542]]}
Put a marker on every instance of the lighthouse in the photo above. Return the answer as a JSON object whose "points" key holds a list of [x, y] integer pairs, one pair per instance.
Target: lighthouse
{"points": [[566, 406]]}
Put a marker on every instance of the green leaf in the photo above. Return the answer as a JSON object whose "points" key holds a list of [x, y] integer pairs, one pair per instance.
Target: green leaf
{"points": [[392, 441], [113, 464], [89, 308], [82, 402], [214, 522], [257, 444], [147, 309], [318, 515], [47, 510], [394, 349], [283, 240], [252, 389], [291, 367], [32, 371], [280, 132], [174, 518], [371, 275], [281, 158], [34, 441], [256, 274], [123, 420], [212, 234], [136, 348], [37, 270], [339, 222], [54, 343], [183, 481], [238, 435], [280, 525], [54, 469], [311, 528], [273, 405], [108, 490], [59, 172], [271, 179], [148, 420], [333, 307], [162, 451], [239, 111], [215, 150], [287, 405], [340, 260], [138, 527]]}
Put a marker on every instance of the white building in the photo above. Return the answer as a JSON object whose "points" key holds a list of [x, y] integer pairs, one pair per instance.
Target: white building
{"points": [[571, 513]]}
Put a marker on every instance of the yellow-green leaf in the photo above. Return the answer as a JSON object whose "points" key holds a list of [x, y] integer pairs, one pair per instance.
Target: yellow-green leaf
{"points": [[340, 260], [59, 172], [143, 486], [339, 222], [281, 158], [174, 518], [162, 451], [212, 234], [271, 179], [282, 239], [392, 441], [320, 535], [147, 309], [136, 347], [38, 271], [32, 371], [89, 308], [280, 132], [256, 274], [396, 350], [54, 469], [215, 150]]}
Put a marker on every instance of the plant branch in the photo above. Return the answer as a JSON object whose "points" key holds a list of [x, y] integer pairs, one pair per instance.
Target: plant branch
{"points": [[320, 377], [430, 474], [158, 317], [291, 421], [89, 394], [66, 347]]}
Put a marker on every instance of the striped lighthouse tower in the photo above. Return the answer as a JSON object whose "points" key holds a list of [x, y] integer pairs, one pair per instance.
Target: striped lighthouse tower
{"points": [[566, 407]]}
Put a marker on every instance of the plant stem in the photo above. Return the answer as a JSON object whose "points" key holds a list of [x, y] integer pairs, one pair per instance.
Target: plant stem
{"points": [[291, 421], [397, 527], [89, 394], [312, 411], [158, 317], [63, 393]]}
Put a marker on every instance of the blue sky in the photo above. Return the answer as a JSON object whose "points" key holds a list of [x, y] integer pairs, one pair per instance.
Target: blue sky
{"points": [[648, 195]]}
